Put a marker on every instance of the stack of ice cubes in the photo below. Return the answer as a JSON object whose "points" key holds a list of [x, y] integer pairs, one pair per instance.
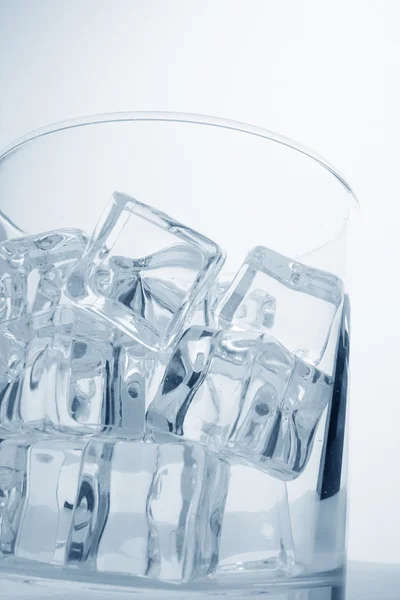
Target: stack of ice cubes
{"points": [[151, 407]]}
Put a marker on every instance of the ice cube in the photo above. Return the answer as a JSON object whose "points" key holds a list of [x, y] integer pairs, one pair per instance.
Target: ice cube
{"points": [[281, 415], [63, 372], [13, 473], [241, 393], [33, 269], [59, 372], [52, 485], [149, 510], [256, 530], [204, 385], [274, 294], [143, 271]]}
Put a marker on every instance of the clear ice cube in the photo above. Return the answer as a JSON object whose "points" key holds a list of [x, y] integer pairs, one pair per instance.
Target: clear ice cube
{"points": [[60, 371], [33, 269], [63, 372], [274, 294], [51, 488], [241, 393], [256, 530], [143, 271], [149, 510]]}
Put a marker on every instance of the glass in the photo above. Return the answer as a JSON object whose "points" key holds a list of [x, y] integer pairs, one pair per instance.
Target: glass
{"points": [[278, 517]]}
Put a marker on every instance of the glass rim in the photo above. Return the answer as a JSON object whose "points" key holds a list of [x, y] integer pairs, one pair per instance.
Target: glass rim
{"points": [[189, 118]]}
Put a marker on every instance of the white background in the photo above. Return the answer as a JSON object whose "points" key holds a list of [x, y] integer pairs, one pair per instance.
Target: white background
{"points": [[323, 73]]}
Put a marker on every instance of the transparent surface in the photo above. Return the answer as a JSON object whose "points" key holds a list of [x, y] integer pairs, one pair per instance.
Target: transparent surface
{"points": [[274, 294], [164, 518], [244, 395], [256, 533], [33, 270], [56, 372], [364, 580], [190, 422], [150, 292]]}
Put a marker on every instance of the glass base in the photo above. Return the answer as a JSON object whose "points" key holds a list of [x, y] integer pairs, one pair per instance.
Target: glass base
{"points": [[36, 582]]}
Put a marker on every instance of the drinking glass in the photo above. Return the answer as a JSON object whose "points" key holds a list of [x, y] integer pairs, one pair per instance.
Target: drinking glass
{"points": [[243, 187]]}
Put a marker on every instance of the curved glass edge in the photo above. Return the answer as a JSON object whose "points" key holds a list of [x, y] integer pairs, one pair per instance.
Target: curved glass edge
{"points": [[8, 229], [254, 584], [194, 119]]}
